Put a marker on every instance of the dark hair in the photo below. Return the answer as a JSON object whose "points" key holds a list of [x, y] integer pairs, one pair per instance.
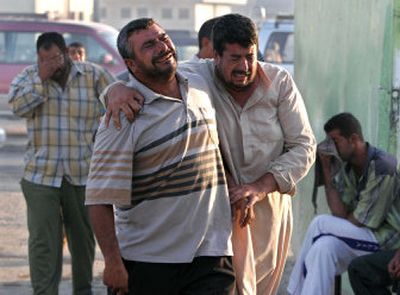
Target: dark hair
{"points": [[123, 45], [76, 44], [346, 123], [233, 28], [206, 30], [46, 40]]}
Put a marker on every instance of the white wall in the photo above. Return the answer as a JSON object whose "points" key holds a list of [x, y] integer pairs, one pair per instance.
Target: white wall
{"points": [[196, 11], [17, 6]]}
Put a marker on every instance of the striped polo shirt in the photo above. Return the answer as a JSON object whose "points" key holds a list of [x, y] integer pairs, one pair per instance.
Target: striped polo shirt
{"points": [[374, 197], [164, 174]]}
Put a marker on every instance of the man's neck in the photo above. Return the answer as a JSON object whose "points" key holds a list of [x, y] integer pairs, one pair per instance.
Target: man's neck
{"points": [[62, 81], [359, 159], [243, 95], [168, 87]]}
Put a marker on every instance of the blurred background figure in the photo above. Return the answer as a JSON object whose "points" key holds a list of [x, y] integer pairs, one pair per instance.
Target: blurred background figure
{"points": [[205, 41], [77, 51], [273, 55]]}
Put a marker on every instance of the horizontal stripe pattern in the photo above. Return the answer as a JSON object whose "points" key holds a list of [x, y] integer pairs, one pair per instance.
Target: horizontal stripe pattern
{"points": [[110, 177], [175, 205]]}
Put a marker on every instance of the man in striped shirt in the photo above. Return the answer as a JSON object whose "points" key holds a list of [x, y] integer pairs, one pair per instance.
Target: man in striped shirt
{"points": [[365, 205], [161, 181], [59, 99]]}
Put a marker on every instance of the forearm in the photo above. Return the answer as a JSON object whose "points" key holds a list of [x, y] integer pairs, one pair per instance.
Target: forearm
{"points": [[267, 183], [229, 179], [102, 218], [107, 92], [335, 203], [299, 140], [24, 100]]}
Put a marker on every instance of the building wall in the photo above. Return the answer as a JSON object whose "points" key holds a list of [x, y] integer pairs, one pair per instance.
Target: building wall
{"points": [[344, 62], [17, 6], [171, 14], [67, 9]]}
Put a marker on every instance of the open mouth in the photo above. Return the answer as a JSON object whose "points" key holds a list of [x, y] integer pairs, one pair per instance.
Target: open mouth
{"points": [[163, 58], [241, 75]]}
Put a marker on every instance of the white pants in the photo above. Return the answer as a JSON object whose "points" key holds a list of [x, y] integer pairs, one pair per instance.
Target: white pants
{"points": [[329, 246]]}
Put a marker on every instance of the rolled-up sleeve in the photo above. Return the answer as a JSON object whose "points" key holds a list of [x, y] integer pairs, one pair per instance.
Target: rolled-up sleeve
{"points": [[299, 141], [26, 93]]}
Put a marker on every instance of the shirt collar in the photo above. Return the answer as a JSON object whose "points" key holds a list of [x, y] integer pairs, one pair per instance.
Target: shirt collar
{"points": [[76, 68], [264, 79], [148, 94]]}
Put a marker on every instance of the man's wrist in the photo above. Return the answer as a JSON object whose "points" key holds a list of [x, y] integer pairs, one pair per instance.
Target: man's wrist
{"points": [[329, 188]]}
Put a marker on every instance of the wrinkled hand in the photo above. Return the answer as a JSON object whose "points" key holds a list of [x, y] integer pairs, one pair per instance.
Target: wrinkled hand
{"points": [[115, 277], [125, 99], [394, 266], [244, 211], [47, 67], [243, 198], [254, 192]]}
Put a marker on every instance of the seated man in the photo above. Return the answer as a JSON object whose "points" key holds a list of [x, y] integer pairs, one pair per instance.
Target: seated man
{"points": [[373, 274], [364, 208]]}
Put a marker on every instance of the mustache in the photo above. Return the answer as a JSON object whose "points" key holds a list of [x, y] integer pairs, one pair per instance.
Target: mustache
{"points": [[163, 54], [246, 73]]}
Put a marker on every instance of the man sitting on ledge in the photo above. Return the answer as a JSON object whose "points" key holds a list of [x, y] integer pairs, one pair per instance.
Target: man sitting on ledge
{"points": [[365, 209]]}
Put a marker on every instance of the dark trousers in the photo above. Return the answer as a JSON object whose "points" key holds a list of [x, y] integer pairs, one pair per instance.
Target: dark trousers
{"points": [[203, 276], [48, 209], [369, 275]]}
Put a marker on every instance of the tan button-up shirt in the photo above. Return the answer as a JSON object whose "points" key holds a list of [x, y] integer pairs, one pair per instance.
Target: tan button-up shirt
{"points": [[271, 133]]}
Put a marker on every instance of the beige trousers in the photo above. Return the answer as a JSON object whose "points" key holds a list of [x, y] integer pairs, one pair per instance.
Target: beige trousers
{"points": [[260, 249]]}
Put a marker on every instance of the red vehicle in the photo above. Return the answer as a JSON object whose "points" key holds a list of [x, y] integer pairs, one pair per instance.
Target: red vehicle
{"points": [[18, 44]]}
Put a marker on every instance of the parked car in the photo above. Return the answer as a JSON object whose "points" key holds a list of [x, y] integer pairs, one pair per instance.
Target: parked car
{"points": [[276, 41], [3, 137], [18, 44]]}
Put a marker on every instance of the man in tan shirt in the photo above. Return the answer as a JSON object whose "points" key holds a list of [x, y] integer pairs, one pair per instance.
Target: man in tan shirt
{"points": [[266, 141]]}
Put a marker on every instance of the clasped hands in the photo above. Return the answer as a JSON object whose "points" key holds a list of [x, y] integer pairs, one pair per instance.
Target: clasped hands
{"points": [[243, 199]]}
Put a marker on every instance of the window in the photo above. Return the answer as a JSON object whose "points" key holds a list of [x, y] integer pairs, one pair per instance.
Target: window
{"points": [[18, 47], [183, 13], [142, 12], [125, 12], [94, 51], [280, 48], [166, 13]]}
